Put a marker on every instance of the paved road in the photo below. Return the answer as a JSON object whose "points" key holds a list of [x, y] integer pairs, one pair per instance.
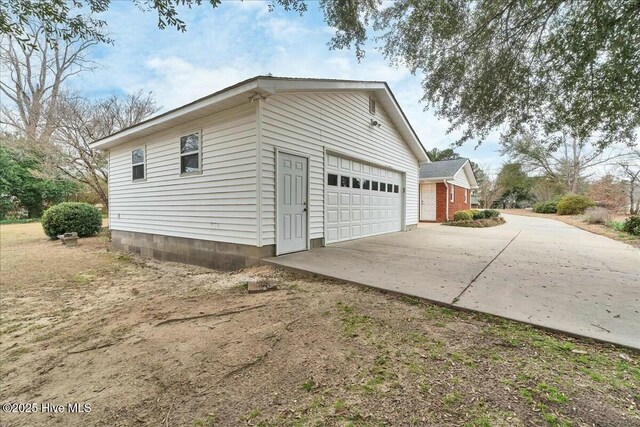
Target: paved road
{"points": [[534, 270]]}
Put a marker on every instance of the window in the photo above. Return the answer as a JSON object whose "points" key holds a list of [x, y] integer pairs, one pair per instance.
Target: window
{"points": [[137, 164], [383, 186], [465, 196], [355, 182], [452, 191], [366, 184], [374, 185], [344, 181], [332, 180], [190, 153], [395, 188], [372, 105]]}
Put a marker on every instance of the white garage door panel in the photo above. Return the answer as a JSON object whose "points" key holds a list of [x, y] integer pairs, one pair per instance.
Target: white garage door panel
{"points": [[353, 208]]}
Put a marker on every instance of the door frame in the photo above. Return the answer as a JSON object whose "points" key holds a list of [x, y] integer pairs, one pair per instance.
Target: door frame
{"points": [[435, 202], [308, 228]]}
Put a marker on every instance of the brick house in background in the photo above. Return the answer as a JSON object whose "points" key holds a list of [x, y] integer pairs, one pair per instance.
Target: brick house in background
{"points": [[445, 188]]}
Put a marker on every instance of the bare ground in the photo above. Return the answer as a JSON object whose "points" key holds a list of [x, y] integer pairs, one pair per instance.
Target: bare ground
{"points": [[576, 221], [93, 326]]}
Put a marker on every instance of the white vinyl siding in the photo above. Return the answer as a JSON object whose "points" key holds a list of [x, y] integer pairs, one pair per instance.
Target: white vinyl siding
{"points": [[309, 123], [460, 179], [217, 204]]}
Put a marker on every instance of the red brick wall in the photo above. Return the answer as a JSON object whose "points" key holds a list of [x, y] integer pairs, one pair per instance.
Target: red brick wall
{"points": [[441, 202], [443, 199]]}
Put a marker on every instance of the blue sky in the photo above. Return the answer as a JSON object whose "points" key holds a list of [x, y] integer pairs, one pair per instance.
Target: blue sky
{"points": [[239, 40]]}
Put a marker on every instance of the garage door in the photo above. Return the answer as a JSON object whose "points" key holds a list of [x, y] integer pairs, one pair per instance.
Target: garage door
{"points": [[361, 199]]}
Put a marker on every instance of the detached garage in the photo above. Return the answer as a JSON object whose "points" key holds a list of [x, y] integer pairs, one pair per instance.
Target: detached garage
{"points": [[265, 167]]}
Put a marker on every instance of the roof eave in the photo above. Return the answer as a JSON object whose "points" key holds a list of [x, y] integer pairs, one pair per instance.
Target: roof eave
{"points": [[123, 135]]}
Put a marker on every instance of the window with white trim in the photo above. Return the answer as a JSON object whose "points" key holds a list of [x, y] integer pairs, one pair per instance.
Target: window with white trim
{"points": [[452, 191], [190, 153], [465, 196], [137, 165]]}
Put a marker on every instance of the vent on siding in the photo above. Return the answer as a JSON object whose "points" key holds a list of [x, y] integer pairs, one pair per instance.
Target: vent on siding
{"points": [[372, 105]]}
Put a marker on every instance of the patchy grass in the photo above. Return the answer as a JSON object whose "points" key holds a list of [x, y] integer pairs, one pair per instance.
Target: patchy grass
{"points": [[210, 420], [314, 352], [308, 385]]}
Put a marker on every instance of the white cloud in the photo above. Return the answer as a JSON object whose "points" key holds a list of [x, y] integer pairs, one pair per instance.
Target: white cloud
{"points": [[176, 82]]}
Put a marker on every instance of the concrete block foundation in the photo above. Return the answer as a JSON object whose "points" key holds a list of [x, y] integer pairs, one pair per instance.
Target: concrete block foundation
{"points": [[205, 253]]}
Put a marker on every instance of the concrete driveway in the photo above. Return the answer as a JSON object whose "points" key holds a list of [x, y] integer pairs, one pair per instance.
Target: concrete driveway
{"points": [[533, 270]]}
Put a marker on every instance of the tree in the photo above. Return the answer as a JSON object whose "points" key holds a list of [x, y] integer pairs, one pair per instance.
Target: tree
{"points": [[489, 192], [544, 189], [36, 74], [447, 154], [488, 63], [608, 192], [566, 160], [23, 186], [515, 184], [630, 169], [56, 126], [80, 122]]}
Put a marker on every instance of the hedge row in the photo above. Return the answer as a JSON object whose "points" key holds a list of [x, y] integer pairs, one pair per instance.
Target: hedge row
{"points": [[475, 214], [478, 223], [569, 204]]}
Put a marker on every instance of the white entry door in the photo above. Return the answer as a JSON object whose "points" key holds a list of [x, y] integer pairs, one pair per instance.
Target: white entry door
{"points": [[427, 202], [360, 199], [292, 209]]}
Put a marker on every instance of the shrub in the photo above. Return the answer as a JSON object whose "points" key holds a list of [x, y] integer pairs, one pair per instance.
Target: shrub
{"points": [[478, 214], [572, 204], [477, 223], [491, 213], [597, 215], [463, 215], [67, 217], [616, 225], [632, 225], [550, 206]]}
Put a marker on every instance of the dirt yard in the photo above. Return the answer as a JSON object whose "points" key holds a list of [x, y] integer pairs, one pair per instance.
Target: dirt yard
{"points": [[576, 221], [160, 344]]}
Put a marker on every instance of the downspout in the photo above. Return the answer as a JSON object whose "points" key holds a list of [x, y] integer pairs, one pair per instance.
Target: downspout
{"points": [[446, 198]]}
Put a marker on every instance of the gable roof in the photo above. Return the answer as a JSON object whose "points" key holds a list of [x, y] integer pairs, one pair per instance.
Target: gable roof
{"points": [[442, 168], [249, 89], [446, 169]]}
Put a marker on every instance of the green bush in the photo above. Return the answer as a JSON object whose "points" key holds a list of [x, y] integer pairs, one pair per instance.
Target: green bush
{"points": [[463, 215], [67, 217], [491, 213], [478, 214], [632, 225], [550, 206], [572, 204]]}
